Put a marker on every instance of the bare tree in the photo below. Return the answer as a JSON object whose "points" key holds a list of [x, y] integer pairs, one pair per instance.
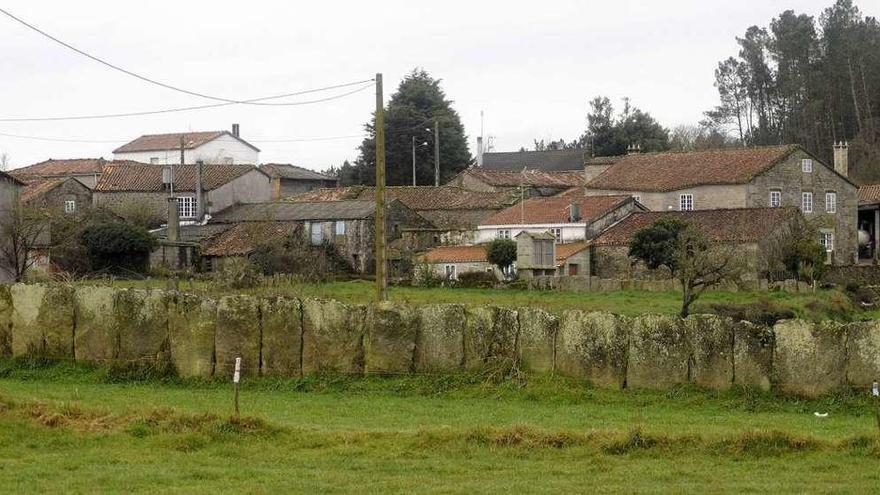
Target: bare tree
{"points": [[23, 229], [701, 264], [4, 160]]}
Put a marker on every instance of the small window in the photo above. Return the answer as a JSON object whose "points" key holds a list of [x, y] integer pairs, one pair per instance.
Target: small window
{"points": [[450, 272], [775, 199], [807, 165], [807, 202], [504, 234], [557, 233], [186, 207], [686, 202], [154, 160], [826, 239], [340, 227], [316, 231], [70, 206], [831, 202]]}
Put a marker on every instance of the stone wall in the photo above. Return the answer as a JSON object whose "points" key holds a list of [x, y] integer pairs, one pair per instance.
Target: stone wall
{"points": [[201, 337]]}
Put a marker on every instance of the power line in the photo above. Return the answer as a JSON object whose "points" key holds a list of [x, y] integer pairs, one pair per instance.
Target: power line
{"points": [[134, 74], [200, 107]]}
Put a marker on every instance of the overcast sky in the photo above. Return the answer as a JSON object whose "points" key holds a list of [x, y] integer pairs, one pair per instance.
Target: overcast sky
{"points": [[530, 66]]}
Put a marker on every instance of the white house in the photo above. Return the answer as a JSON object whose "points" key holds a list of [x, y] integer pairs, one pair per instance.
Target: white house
{"points": [[221, 147], [570, 217]]}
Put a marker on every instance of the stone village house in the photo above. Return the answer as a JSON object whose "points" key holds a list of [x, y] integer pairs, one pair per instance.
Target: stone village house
{"points": [[768, 176], [523, 183]]}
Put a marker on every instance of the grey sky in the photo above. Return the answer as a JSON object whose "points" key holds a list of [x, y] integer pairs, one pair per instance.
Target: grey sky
{"points": [[531, 66]]}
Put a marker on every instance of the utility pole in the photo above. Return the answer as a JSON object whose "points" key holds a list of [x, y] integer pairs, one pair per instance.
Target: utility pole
{"points": [[381, 266], [436, 152], [414, 159]]}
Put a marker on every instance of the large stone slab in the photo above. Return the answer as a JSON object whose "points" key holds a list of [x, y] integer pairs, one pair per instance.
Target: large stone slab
{"points": [[142, 324], [333, 337], [238, 335], [752, 355], [592, 346], [282, 336], [392, 329], [5, 321], [863, 353], [490, 337], [810, 358], [711, 343], [659, 352], [537, 340], [440, 341], [192, 322], [96, 338], [42, 321]]}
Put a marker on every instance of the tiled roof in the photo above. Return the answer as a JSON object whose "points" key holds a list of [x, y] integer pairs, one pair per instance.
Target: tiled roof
{"points": [[288, 171], [869, 194], [36, 188], [12, 178], [159, 142], [726, 225], [555, 209], [534, 178], [66, 168], [565, 251], [288, 212], [456, 254], [418, 198], [195, 233], [242, 238], [670, 171], [148, 178], [537, 160]]}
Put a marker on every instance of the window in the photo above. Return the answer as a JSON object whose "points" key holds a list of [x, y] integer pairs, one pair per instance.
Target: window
{"points": [[450, 272], [186, 207], [340, 227], [775, 199], [557, 233], [637, 198], [504, 234], [686, 202], [154, 160], [70, 206], [807, 165], [316, 233], [830, 202], [807, 202], [826, 239]]}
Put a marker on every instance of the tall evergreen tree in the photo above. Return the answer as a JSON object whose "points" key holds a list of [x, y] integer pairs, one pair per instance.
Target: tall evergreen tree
{"points": [[410, 113]]}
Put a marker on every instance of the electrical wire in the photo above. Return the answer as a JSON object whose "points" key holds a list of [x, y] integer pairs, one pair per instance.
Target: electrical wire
{"points": [[197, 107], [145, 78]]}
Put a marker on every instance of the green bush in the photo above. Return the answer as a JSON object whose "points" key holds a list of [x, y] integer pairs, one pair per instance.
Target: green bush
{"points": [[118, 246], [295, 256], [501, 253], [476, 280], [237, 273]]}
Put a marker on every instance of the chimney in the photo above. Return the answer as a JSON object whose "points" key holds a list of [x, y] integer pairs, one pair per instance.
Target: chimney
{"points": [[167, 177], [574, 211], [633, 149], [841, 158], [172, 234], [200, 200], [235, 130], [479, 151]]}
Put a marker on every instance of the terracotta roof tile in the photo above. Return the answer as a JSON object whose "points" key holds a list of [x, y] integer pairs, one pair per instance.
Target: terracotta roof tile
{"points": [[159, 142], [555, 209], [533, 178], [456, 254], [670, 171], [565, 251], [869, 194], [147, 178], [66, 168], [294, 212], [726, 225], [37, 188], [241, 239], [417, 198]]}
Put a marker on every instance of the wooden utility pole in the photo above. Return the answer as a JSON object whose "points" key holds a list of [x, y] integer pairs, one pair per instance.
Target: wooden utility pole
{"points": [[381, 258], [414, 159], [436, 152]]}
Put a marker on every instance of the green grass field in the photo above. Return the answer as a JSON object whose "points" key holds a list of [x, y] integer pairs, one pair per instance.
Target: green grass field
{"points": [[821, 304], [66, 428]]}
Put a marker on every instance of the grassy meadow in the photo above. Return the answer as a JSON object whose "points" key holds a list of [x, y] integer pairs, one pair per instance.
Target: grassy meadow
{"points": [[75, 429]]}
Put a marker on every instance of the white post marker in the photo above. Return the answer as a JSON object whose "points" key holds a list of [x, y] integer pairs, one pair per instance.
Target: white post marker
{"points": [[875, 389], [236, 377]]}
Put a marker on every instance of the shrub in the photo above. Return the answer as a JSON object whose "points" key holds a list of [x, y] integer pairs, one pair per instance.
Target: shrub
{"points": [[118, 246], [237, 273], [501, 252], [294, 256], [476, 280], [763, 312]]}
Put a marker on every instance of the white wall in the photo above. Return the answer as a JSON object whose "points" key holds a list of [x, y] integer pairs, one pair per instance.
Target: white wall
{"points": [[252, 187], [211, 152], [571, 232]]}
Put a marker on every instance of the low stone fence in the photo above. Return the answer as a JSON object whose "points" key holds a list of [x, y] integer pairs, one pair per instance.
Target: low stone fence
{"points": [[201, 337], [583, 283]]}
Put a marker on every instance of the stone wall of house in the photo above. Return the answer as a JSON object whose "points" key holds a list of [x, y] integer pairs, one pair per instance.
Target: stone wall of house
{"points": [[788, 178], [69, 190], [705, 197], [201, 337], [152, 206]]}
